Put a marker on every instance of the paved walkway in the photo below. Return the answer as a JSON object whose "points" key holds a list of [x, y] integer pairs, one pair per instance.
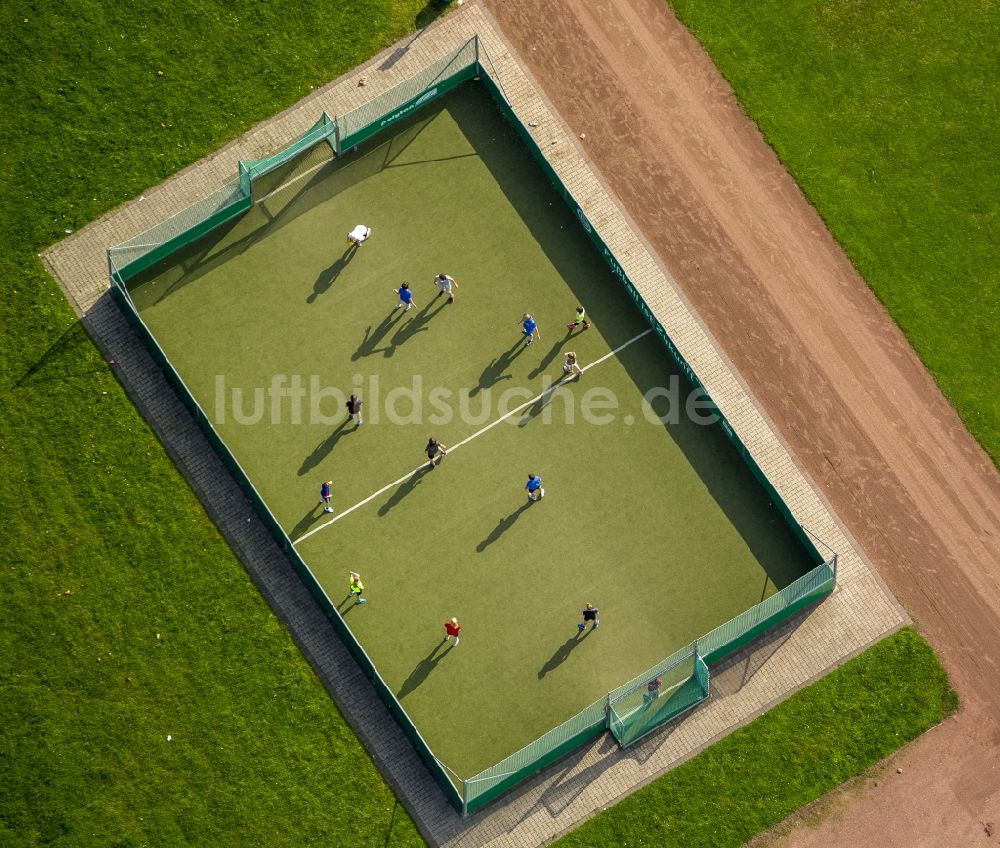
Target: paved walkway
{"points": [[859, 613]]}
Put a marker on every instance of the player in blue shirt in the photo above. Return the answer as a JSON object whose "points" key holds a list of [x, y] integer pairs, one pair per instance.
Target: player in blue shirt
{"points": [[324, 495], [405, 297], [529, 329], [534, 487]]}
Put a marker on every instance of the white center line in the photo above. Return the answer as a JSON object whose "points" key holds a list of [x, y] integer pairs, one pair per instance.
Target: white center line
{"points": [[466, 440]]}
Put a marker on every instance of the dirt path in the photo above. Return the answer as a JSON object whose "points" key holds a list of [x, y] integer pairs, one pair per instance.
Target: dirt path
{"points": [[825, 360]]}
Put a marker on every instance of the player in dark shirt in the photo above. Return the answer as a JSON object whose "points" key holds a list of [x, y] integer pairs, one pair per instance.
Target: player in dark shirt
{"points": [[589, 614], [435, 450], [354, 408]]}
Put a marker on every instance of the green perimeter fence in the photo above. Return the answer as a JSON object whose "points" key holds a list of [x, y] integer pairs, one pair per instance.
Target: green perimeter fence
{"points": [[658, 695]]}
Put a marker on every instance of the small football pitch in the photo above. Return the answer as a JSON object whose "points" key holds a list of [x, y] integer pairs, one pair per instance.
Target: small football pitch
{"points": [[648, 515]]}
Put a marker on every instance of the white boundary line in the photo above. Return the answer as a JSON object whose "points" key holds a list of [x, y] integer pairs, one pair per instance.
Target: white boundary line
{"points": [[293, 180], [467, 439]]}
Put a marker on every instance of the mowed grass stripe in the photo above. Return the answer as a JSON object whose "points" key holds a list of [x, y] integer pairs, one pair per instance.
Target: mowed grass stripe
{"points": [[104, 544], [886, 115]]}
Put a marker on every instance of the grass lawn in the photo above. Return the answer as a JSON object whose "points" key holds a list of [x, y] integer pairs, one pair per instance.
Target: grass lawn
{"points": [[259, 299], [887, 116], [104, 545], [820, 737]]}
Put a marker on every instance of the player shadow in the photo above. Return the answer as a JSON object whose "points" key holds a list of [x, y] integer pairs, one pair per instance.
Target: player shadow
{"points": [[51, 365], [731, 674], [502, 527], [426, 16], [404, 489], [322, 450], [307, 521], [572, 780], [328, 276], [416, 324], [549, 357], [369, 344], [494, 372], [346, 605], [563, 651], [543, 400], [423, 669]]}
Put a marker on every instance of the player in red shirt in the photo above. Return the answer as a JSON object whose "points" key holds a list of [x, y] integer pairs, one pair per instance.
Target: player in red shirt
{"points": [[452, 628]]}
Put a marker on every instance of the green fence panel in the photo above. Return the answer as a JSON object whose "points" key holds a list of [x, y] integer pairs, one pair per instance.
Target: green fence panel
{"points": [[387, 119], [400, 101], [734, 634], [146, 249], [232, 200], [250, 170], [494, 781]]}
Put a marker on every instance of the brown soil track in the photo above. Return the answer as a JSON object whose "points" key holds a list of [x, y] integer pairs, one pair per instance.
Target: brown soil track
{"points": [[826, 362]]}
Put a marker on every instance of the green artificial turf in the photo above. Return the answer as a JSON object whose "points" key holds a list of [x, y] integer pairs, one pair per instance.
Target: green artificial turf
{"points": [[455, 190], [104, 545], [804, 747], [887, 115]]}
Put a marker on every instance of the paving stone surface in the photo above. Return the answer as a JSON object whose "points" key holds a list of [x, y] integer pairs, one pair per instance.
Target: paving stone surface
{"points": [[858, 613]]}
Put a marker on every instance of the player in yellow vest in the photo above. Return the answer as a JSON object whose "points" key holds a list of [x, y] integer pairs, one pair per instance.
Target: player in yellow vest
{"points": [[357, 587]]}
